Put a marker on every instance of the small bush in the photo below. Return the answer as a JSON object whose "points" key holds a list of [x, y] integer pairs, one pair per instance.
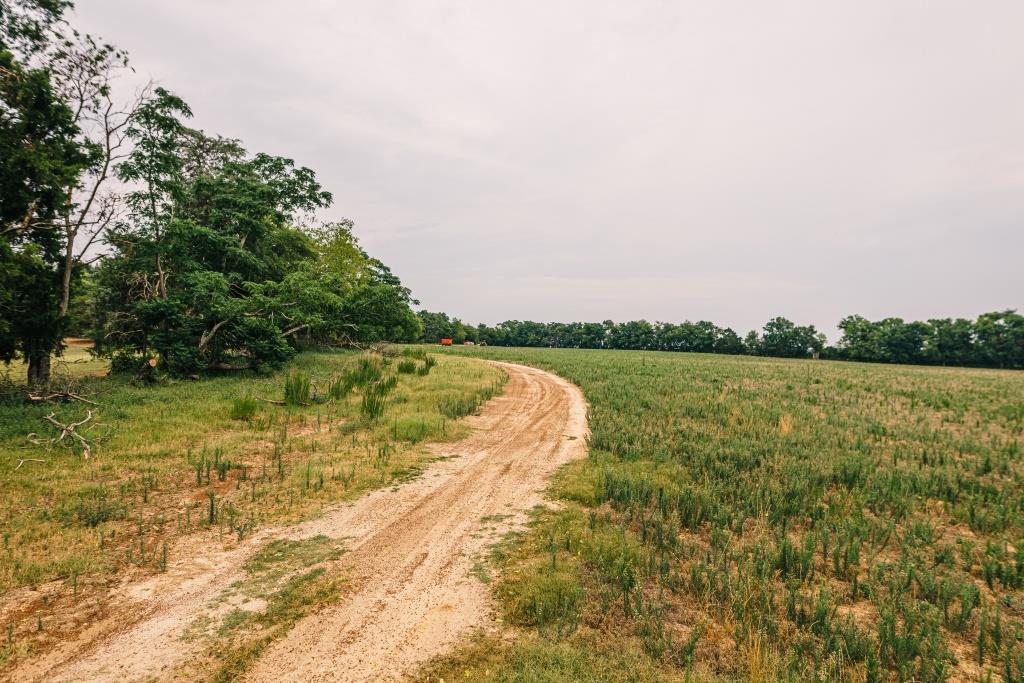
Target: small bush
{"points": [[124, 362], [407, 367], [243, 408]]}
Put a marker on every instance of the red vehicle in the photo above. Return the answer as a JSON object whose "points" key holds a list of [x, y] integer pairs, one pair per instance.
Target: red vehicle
{"points": [[446, 342]]}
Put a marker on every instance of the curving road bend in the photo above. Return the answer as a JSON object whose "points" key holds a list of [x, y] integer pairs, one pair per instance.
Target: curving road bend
{"points": [[409, 555]]}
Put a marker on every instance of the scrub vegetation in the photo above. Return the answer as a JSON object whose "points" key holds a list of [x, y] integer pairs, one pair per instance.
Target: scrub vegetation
{"points": [[755, 519]]}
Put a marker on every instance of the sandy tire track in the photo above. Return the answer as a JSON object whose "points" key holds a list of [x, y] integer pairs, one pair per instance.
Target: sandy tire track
{"points": [[409, 554]]}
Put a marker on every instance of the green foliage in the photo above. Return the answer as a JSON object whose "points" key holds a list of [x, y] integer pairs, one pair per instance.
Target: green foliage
{"points": [[211, 268], [416, 428], [438, 326], [42, 157], [338, 387]]}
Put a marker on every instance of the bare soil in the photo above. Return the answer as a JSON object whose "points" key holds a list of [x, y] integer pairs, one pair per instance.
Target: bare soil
{"points": [[410, 552]]}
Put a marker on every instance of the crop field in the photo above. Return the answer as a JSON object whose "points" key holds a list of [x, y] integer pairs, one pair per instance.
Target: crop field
{"points": [[761, 519], [214, 459]]}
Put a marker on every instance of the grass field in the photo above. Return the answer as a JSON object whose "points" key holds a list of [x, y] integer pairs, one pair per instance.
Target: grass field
{"points": [[207, 457], [760, 519]]}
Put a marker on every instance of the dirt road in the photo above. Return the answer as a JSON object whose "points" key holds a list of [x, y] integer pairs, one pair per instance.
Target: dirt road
{"points": [[409, 555]]}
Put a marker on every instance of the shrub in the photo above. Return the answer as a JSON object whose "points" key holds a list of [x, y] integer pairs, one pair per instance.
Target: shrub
{"points": [[125, 362]]}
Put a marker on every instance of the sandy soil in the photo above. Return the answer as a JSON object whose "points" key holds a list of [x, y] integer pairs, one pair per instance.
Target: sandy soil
{"points": [[410, 552]]}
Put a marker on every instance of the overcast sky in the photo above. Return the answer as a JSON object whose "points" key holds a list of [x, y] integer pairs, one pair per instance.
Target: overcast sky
{"points": [[583, 160]]}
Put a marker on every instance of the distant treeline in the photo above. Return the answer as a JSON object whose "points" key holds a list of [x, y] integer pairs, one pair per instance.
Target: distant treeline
{"points": [[992, 340]]}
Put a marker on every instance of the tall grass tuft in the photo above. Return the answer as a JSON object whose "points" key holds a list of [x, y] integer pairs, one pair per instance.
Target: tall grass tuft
{"points": [[339, 387], [297, 388], [243, 408], [374, 402], [455, 406], [428, 363], [368, 370]]}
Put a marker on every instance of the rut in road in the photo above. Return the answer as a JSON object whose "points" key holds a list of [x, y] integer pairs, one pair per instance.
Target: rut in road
{"points": [[409, 554]]}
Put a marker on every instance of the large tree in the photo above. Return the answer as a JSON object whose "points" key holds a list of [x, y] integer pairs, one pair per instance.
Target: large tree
{"points": [[209, 269], [42, 157], [783, 338]]}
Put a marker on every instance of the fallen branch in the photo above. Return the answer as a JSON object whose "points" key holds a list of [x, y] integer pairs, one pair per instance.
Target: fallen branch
{"points": [[22, 461], [279, 403], [67, 395], [69, 430]]}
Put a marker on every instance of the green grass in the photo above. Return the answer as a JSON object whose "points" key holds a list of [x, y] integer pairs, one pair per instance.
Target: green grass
{"points": [[174, 459], [762, 519], [539, 660]]}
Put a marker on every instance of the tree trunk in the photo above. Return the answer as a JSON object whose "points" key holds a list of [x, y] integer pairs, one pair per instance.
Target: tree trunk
{"points": [[65, 276], [39, 369]]}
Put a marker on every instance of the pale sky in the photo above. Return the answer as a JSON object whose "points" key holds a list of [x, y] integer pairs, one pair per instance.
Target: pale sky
{"points": [[584, 160]]}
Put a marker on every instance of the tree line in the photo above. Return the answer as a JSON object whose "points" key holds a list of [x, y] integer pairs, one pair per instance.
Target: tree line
{"points": [[164, 243], [992, 340]]}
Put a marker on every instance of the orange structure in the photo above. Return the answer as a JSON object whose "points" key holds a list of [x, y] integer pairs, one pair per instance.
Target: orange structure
{"points": [[446, 342]]}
